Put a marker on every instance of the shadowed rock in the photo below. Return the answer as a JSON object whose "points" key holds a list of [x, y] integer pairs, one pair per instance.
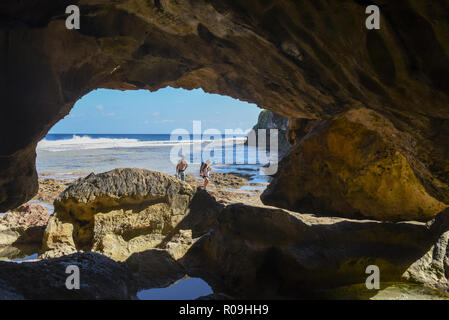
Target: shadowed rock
{"points": [[269, 120], [100, 278], [300, 59], [263, 252], [242, 251], [357, 165]]}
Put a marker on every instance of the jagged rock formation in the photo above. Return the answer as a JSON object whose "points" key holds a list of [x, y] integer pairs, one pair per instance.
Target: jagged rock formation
{"points": [[281, 254], [302, 59], [269, 120], [355, 165], [100, 278], [228, 180], [242, 251], [124, 211], [21, 230], [50, 189]]}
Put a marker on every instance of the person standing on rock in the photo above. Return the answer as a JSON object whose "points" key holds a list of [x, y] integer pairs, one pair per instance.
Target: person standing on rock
{"points": [[181, 168], [205, 169]]}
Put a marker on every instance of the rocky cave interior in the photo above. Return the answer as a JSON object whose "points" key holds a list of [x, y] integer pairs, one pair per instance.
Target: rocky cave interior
{"points": [[368, 114]]}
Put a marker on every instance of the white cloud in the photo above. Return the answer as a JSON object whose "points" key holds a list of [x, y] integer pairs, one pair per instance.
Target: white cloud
{"points": [[104, 114]]}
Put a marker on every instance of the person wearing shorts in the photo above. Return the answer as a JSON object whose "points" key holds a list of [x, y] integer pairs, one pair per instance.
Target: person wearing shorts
{"points": [[181, 168], [205, 172]]}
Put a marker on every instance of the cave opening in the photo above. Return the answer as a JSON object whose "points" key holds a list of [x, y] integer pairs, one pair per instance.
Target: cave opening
{"points": [[107, 129], [368, 108]]}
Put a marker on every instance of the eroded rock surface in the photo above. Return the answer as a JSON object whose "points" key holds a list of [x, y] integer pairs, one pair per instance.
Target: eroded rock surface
{"points": [[242, 251], [356, 165], [22, 229], [301, 59], [265, 252], [267, 121], [101, 278], [50, 189], [124, 211], [228, 180]]}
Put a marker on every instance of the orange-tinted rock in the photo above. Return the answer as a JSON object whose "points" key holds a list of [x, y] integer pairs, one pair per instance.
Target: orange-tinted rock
{"points": [[356, 165], [300, 59]]}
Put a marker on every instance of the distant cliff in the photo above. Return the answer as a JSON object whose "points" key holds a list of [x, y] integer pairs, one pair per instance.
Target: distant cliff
{"points": [[269, 120]]}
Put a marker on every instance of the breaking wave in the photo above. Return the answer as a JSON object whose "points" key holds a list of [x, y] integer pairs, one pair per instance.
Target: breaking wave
{"points": [[86, 142]]}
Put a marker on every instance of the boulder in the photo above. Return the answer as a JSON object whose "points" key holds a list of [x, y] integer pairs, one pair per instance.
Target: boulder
{"points": [[319, 60], [49, 189], [154, 268], [265, 252], [269, 120], [100, 278], [357, 165], [22, 229], [124, 211], [228, 180]]}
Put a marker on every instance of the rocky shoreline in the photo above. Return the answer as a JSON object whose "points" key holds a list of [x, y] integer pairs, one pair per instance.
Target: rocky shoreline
{"points": [[153, 230], [20, 236]]}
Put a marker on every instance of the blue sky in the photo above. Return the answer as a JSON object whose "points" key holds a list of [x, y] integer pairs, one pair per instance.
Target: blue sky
{"points": [[142, 111]]}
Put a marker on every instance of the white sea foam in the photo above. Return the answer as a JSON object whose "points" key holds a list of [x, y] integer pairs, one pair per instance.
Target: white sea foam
{"points": [[85, 143]]}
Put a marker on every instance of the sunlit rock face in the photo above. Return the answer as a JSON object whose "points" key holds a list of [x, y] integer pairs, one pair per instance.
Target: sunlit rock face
{"points": [[356, 165], [21, 231], [268, 121], [123, 211], [301, 59]]}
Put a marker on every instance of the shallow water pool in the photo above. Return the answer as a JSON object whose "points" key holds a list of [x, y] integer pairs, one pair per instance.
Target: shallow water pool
{"points": [[184, 289]]}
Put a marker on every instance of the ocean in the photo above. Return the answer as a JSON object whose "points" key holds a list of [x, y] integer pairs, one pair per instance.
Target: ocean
{"points": [[70, 156]]}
